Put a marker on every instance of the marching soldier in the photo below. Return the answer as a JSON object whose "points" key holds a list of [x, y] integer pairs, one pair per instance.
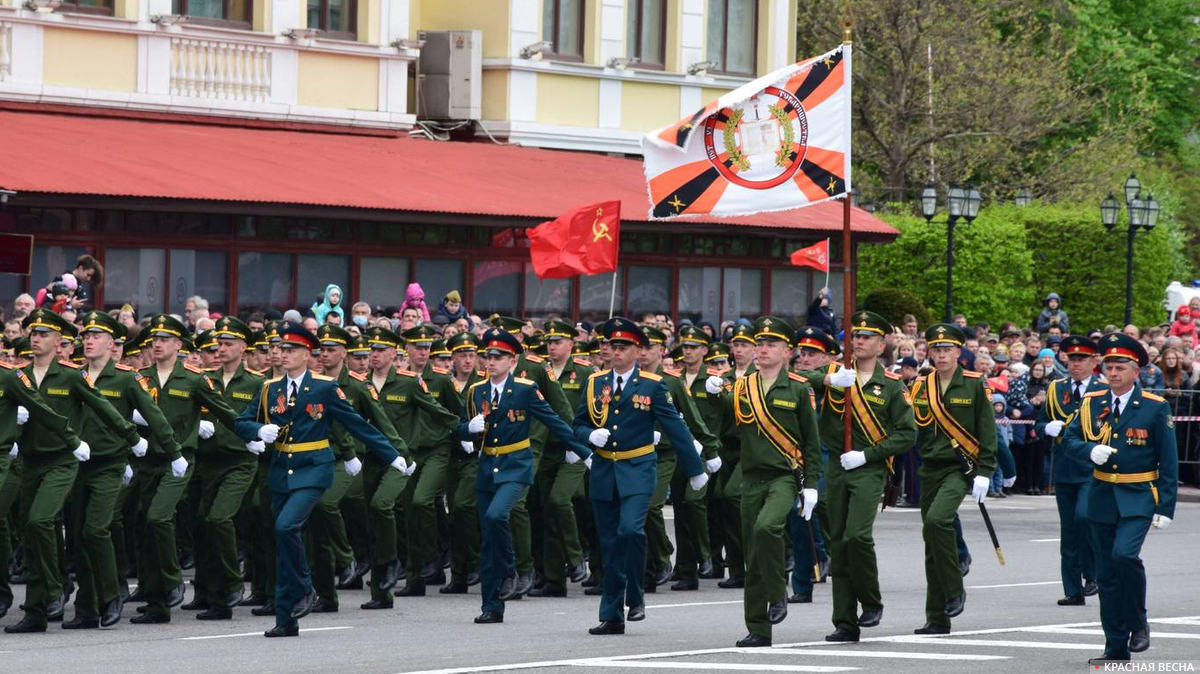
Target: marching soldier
{"points": [[775, 418], [354, 504], [1129, 435], [261, 545], [498, 413], [742, 347], [51, 460], [460, 484], [953, 409], [617, 416], [882, 422], [306, 404], [1070, 468]]}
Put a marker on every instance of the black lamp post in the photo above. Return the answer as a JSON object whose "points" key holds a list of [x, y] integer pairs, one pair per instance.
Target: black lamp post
{"points": [[1143, 214], [961, 202]]}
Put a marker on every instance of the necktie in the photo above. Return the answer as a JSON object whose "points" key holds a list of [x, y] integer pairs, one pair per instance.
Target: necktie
{"points": [[617, 393], [495, 397], [292, 396], [1116, 409], [1076, 395]]}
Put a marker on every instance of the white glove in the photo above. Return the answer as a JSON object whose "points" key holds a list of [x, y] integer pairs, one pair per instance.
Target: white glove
{"points": [[698, 447], [1054, 428], [400, 464], [1100, 454], [139, 447], [1010, 481], [699, 481], [12, 453], [587, 462], [657, 437], [22, 415], [412, 468], [179, 467], [353, 466], [467, 446], [843, 378], [852, 460], [475, 425], [256, 447], [714, 465], [979, 488], [268, 433], [83, 452], [206, 429], [571, 457], [810, 502], [139, 419], [127, 477], [1161, 522], [599, 437], [713, 384]]}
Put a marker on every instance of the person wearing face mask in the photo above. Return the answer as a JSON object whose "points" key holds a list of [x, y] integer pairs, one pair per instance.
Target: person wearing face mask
{"points": [[360, 315]]}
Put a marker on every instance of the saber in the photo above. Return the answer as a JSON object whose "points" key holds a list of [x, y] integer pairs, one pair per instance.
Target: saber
{"points": [[798, 475], [992, 532]]}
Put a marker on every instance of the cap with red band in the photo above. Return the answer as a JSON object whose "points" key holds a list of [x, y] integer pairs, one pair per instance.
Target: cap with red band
{"points": [[1078, 345], [497, 342], [295, 335], [1118, 346], [620, 329]]}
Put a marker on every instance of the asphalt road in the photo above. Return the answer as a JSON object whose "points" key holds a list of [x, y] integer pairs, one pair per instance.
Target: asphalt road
{"points": [[1011, 622]]}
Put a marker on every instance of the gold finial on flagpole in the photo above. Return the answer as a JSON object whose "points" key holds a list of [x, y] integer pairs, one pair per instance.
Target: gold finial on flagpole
{"points": [[847, 22]]}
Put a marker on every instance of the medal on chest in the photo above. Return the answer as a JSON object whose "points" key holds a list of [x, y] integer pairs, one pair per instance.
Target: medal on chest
{"points": [[280, 404], [316, 411]]}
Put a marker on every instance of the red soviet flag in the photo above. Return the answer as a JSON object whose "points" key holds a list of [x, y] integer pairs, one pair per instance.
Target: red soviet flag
{"points": [[581, 241], [816, 256]]}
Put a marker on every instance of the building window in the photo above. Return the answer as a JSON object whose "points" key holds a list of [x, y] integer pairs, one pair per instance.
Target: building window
{"points": [[646, 32], [595, 292], [790, 294], [562, 27], [497, 288], [382, 280], [438, 277], [227, 13], [700, 293], [135, 276], [648, 291], [103, 7], [742, 292], [547, 297], [338, 19], [198, 272], [316, 273], [264, 281], [733, 36], [50, 262]]}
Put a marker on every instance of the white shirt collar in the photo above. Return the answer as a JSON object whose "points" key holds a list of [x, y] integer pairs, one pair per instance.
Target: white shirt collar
{"points": [[623, 377], [1083, 383], [1124, 399], [499, 388], [298, 381]]}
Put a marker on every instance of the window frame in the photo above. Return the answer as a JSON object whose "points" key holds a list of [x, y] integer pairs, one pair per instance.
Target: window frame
{"points": [[326, 34], [725, 42], [635, 50], [556, 55], [108, 9], [227, 8]]}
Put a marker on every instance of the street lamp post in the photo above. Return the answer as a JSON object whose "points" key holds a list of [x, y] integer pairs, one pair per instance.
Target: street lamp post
{"points": [[961, 202], [1143, 214]]}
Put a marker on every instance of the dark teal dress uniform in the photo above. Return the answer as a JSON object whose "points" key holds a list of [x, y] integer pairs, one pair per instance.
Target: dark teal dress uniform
{"points": [[624, 473], [1072, 472], [1137, 482], [506, 470], [301, 467]]}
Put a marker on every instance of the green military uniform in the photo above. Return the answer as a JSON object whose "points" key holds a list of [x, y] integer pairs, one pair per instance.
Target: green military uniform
{"points": [[958, 436], [460, 488], [183, 396], [726, 486], [50, 468], [776, 422], [431, 451], [353, 504], [882, 423], [558, 482], [16, 390], [261, 521]]}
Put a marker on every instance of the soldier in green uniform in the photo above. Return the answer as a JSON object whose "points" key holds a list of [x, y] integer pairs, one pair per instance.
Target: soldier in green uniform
{"points": [[19, 402], [742, 348], [957, 447], [225, 470], [431, 450], [558, 481], [460, 481], [882, 424], [94, 499], [354, 504], [775, 417], [182, 392], [51, 460], [726, 514], [1129, 436], [261, 542]]}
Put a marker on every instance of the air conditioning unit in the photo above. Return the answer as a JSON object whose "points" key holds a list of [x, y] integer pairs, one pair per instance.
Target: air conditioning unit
{"points": [[450, 74]]}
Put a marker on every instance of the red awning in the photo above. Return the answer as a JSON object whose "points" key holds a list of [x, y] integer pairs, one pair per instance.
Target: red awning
{"points": [[99, 156]]}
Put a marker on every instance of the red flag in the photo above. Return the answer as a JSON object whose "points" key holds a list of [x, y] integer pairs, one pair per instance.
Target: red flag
{"points": [[816, 256], [581, 241]]}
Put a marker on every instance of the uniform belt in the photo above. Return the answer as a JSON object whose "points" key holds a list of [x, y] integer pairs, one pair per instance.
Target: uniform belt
{"points": [[301, 446], [506, 449], [626, 455], [1125, 478]]}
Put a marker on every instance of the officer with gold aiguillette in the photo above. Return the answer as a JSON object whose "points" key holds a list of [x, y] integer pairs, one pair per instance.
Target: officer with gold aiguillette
{"points": [[498, 413], [1129, 435], [296, 412]]}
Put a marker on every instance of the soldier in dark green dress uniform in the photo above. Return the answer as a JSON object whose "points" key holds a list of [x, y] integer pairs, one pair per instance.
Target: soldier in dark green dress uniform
{"points": [[460, 483]]}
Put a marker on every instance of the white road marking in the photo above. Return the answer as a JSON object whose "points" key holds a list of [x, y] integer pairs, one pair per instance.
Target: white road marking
{"points": [[722, 666], [259, 634], [1194, 620], [1098, 632], [853, 653], [1008, 507], [694, 603], [1044, 540], [990, 587], [994, 643]]}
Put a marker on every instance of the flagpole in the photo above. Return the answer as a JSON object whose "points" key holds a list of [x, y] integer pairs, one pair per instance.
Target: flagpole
{"points": [[612, 299], [847, 249], [827, 265]]}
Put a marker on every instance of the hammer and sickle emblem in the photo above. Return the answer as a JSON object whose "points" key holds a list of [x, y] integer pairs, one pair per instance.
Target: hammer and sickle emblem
{"points": [[600, 229]]}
